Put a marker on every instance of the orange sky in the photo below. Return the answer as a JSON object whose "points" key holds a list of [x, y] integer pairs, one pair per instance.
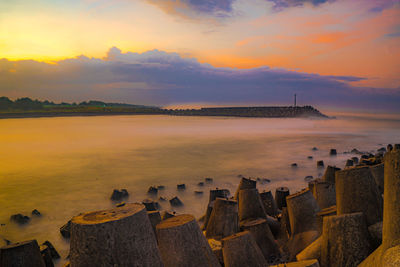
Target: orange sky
{"points": [[350, 38]]}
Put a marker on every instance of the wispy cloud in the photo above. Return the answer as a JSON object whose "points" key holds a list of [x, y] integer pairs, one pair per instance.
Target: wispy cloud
{"points": [[157, 77]]}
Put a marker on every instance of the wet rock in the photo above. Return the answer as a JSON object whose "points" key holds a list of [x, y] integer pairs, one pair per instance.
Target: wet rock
{"points": [[314, 149], [200, 184], [310, 157], [355, 151], [35, 212], [208, 180], [175, 202], [161, 187], [46, 256], [280, 196], [150, 204], [168, 214], [198, 192], [19, 218], [333, 152], [389, 147], [181, 186], [22, 254], [320, 164], [265, 180], [355, 160], [162, 199], [53, 252], [65, 230], [349, 163], [294, 165], [382, 149], [119, 194], [121, 204], [152, 190]]}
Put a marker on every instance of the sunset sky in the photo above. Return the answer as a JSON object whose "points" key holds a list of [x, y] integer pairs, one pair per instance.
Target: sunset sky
{"points": [[165, 52]]}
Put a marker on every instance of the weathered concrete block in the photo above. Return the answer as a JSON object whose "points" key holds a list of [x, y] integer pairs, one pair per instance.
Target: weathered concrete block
{"points": [[22, 254], [224, 219]]}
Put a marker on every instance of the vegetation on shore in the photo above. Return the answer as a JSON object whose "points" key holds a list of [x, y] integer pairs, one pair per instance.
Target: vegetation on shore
{"points": [[26, 107]]}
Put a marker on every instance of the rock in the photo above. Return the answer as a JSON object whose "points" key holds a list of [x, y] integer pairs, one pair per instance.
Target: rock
{"points": [[150, 205], [65, 230], [168, 214], [313, 251], [175, 202], [198, 192], [152, 190], [200, 184], [116, 237], [333, 152], [264, 238], [270, 206], [355, 160], [355, 151], [375, 231], [280, 196], [162, 199], [155, 218], [224, 220], [245, 183], [161, 187], [320, 164], [356, 191], [310, 157], [53, 252], [121, 204], [181, 186], [382, 149], [329, 175], [208, 180], [250, 205], [389, 147], [314, 149], [182, 243], [349, 163], [221, 193], [22, 254], [19, 218], [118, 195], [265, 180], [294, 165], [46, 256], [306, 263], [35, 212], [345, 240], [241, 250]]}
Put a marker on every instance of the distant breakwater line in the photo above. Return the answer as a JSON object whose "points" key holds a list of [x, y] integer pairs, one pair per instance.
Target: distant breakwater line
{"points": [[255, 112]]}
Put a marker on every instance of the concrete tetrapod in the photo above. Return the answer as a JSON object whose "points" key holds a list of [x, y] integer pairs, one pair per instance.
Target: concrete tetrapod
{"points": [[280, 196], [306, 263], [224, 220], [221, 193], [345, 240], [245, 183], [302, 210], [325, 194], [250, 205], [270, 206], [377, 172], [391, 209], [241, 250], [23, 254], [262, 234], [313, 251], [356, 191], [182, 244], [329, 175], [122, 236]]}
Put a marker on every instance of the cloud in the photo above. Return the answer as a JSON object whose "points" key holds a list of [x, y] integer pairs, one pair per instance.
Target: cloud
{"points": [[282, 4], [191, 9], [161, 78]]}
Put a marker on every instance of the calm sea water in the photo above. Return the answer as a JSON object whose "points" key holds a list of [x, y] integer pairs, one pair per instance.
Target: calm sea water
{"points": [[64, 166]]}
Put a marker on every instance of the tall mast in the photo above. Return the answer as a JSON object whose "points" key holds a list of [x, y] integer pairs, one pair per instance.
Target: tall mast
{"points": [[295, 100]]}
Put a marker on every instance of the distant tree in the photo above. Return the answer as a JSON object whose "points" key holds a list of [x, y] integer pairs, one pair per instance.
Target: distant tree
{"points": [[5, 103], [27, 104]]}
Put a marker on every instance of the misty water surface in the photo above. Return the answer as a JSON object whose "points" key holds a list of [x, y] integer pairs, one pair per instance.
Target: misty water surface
{"points": [[64, 166]]}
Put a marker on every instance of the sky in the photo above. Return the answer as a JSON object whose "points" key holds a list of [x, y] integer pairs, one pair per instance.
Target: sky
{"points": [[331, 53]]}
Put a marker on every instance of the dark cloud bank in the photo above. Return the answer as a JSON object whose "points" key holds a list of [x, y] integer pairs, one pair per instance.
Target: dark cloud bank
{"points": [[161, 78]]}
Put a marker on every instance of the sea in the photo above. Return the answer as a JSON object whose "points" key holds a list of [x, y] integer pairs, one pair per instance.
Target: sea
{"points": [[63, 166]]}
